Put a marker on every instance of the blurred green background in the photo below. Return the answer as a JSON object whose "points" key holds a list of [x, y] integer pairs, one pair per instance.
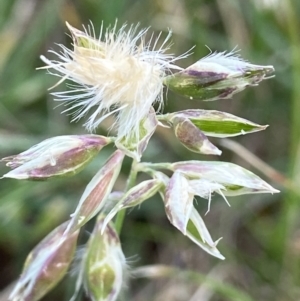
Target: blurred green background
{"points": [[261, 233]]}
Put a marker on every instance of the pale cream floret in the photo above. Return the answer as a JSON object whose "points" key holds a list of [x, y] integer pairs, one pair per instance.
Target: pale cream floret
{"points": [[117, 74]]}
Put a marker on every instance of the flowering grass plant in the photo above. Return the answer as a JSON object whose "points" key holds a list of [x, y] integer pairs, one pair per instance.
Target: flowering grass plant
{"points": [[122, 74]]}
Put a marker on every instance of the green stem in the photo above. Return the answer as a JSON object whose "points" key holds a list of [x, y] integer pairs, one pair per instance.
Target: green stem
{"points": [[135, 168], [146, 165], [164, 117], [130, 183]]}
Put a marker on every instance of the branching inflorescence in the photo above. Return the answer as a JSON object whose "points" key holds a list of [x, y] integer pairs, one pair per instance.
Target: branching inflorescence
{"points": [[122, 75]]}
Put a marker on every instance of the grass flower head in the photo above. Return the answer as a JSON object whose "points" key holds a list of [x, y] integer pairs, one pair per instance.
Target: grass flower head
{"points": [[117, 72]]}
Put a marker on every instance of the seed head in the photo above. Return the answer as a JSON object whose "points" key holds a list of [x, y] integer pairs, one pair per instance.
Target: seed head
{"points": [[218, 76], [54, 157], [46, 265], [192, 138], [116, 72], [103, 267]]}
